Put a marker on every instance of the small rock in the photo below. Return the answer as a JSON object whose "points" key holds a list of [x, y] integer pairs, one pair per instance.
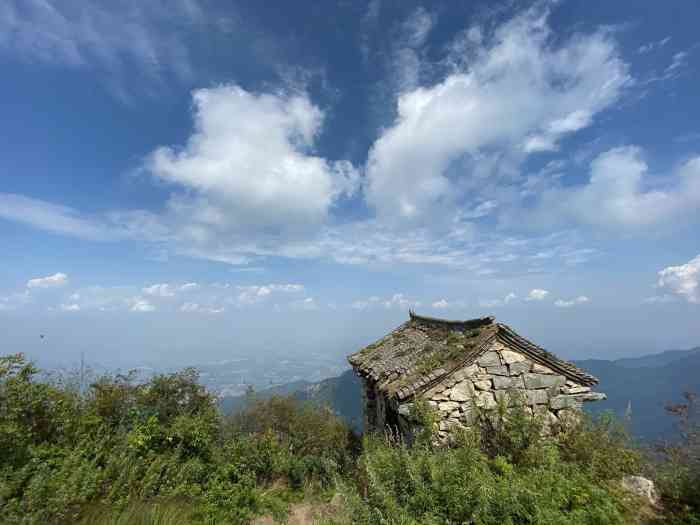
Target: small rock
{"points": [[642, 487], [542, 381], [498, 370], [483, 384], [462, 391], [537, 397], [485, 400], [501, 383], [541, 369], [489, 359], [560, 402], [520, 367], [448, 406], [510, 357]]}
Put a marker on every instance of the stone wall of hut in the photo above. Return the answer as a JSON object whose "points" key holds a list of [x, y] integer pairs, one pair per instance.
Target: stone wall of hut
{"points": [[503, 375]]}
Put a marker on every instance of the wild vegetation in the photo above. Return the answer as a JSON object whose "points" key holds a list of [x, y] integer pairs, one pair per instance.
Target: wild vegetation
{"points": [[121, 452]]}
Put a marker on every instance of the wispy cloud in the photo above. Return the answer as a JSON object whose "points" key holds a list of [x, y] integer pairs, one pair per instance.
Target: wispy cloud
{"points": [[561, 303], [104, 36], [50, 281]]}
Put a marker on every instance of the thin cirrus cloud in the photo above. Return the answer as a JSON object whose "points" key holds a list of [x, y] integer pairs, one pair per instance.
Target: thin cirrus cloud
{"points": [[102, 36], [50, 281], [561, 303]]}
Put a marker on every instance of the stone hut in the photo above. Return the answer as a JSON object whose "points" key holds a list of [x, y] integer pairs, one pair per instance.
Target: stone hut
{"points": [[458, 366]]}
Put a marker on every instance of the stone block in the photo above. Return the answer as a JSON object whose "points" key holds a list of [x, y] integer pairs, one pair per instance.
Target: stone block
{"points": [[448, 406], [560, 402], [483, 384], [510, 398], [485, 400], [504, 383], [489, 359], [510, 357], [541, 369], [464, 373], [462, 391], [497, 370], [521, 367], [577, 389], [536, 397], [542, 380]]}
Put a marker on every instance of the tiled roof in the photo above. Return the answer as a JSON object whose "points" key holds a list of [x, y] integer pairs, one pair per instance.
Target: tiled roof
{"points": [[423, 350]]}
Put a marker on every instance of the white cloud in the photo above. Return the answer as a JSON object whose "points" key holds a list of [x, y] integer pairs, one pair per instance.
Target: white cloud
{"points": [[401, 302], [198, 308], [139, 304], [537, 294], [72, 307], [397, 300], [101, 35], [652, 46], [50, 281], [618, 194], [682, 280], [189, 287], [247, 167], [159, 290], [659, 299], [514, 91], [441, 304], [253, 294], [495, 303], [581, 299]]}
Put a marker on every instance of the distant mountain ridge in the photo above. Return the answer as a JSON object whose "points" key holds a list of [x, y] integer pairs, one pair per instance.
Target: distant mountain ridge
{"points": [[646, 384]]}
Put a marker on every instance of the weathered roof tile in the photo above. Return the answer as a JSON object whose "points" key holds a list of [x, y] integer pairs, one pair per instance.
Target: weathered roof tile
{"points": [[423, 350]]}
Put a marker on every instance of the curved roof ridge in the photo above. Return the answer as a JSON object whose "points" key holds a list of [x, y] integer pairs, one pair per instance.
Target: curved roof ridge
{"points": [[467, 323]]}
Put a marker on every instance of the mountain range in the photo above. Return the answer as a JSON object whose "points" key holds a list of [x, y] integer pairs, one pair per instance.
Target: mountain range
{"points": [[638, 389]]}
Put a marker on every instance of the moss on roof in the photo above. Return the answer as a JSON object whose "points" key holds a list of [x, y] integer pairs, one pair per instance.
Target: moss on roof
{"points": [[424, 349]]}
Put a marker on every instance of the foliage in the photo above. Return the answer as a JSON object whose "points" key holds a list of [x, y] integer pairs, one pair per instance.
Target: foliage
{"points": [[158, 452], [122, 452], [504, 470], [679, 474]]}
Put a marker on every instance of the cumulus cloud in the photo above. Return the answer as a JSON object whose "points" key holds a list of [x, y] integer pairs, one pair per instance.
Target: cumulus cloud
{"points": [[513, 91], [537, 294], [50, 281], [618, 193], [682, 280], [581, 299], [189, 287], [495, 303], [441, 304], [397, 300], [248, 165], [253, 294]]}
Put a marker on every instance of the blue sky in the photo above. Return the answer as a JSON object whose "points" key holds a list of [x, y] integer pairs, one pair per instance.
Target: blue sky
{"points": [[184, 180]]}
